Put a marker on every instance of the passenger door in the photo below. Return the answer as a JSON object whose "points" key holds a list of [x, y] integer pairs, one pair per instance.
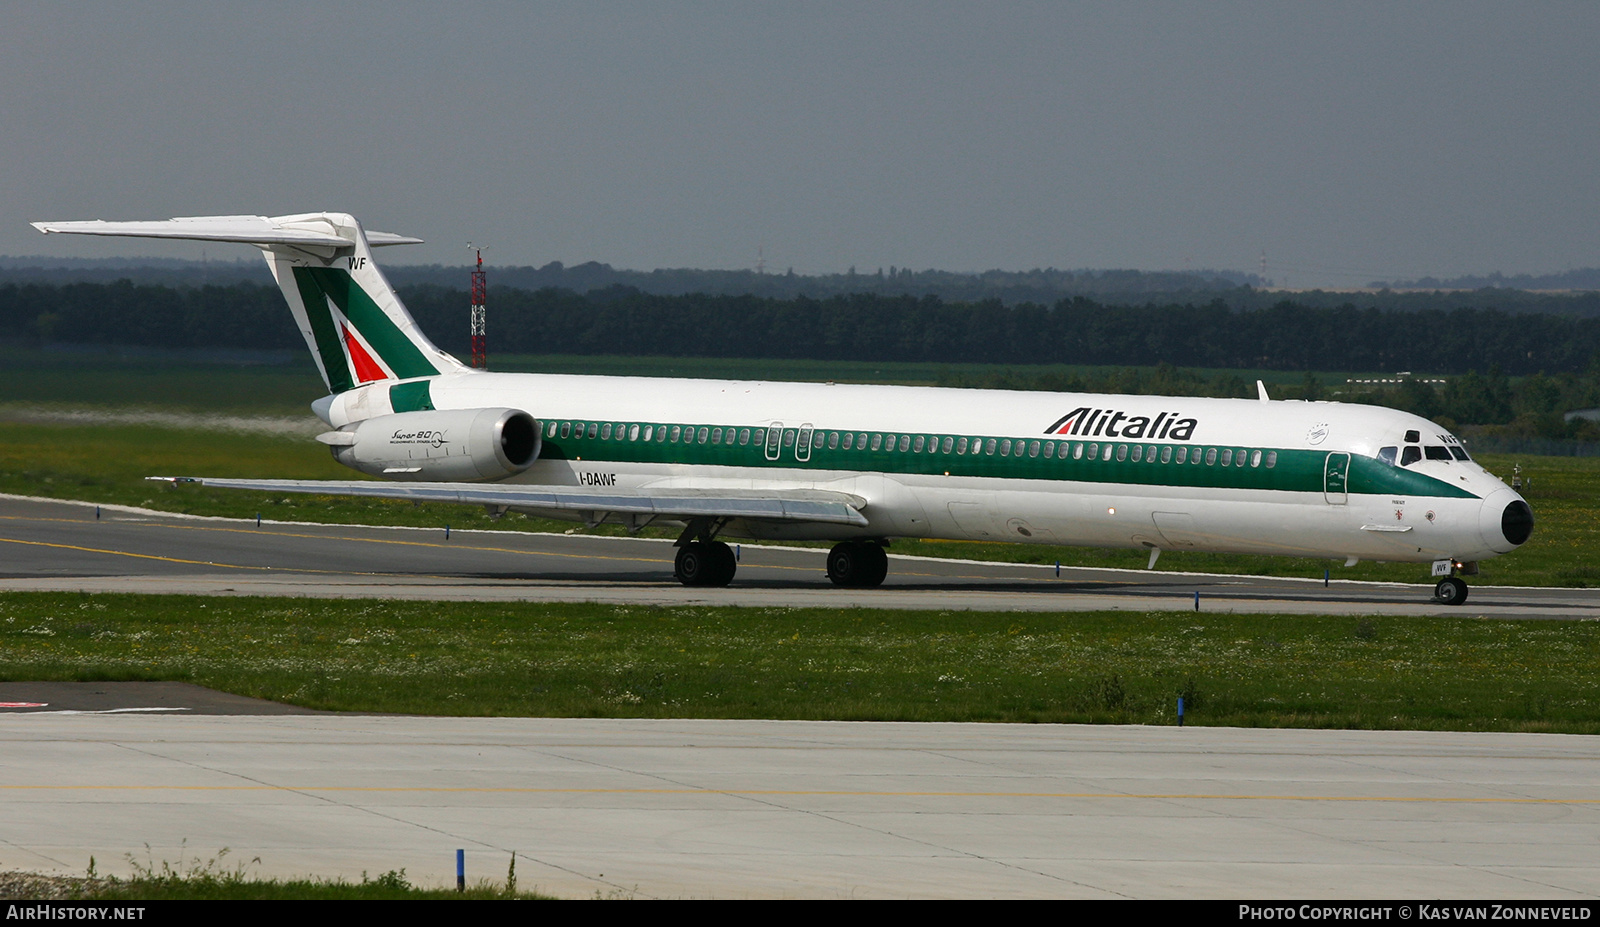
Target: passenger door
{"points": [[1336, 478]]}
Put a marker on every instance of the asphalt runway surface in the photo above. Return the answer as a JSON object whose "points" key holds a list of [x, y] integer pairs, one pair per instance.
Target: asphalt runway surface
{"points": [[63, 546], [797, 809], [173, 773]]}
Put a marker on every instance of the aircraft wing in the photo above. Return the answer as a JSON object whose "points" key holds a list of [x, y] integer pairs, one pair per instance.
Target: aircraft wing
{"points": [[790, 505]]}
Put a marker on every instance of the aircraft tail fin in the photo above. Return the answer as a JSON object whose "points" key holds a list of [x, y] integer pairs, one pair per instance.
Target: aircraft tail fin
{"points": [[357, 328]]}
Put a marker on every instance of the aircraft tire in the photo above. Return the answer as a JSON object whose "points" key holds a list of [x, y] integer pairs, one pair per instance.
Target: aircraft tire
{"points": [[857, 564], [725, 562], [1450, 591], [701, 563]]}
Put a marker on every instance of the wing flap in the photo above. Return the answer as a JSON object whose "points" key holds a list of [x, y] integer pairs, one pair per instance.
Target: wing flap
{"points": [[792, 505]]}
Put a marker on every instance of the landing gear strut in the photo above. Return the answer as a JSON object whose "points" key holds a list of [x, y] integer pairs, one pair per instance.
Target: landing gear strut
{"points": [[1450, 591], [702, 559], [857, 563]]}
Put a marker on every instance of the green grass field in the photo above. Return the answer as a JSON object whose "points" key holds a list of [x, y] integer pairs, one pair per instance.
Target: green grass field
{"points": [[586, 660]]}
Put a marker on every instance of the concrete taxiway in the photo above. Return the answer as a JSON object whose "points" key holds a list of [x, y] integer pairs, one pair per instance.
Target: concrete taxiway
{"points": [[737, 809], [52, 545]]}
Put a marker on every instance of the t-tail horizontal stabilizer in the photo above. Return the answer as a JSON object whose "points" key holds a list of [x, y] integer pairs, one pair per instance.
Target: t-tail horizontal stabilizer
{"points": [[352, 320]]}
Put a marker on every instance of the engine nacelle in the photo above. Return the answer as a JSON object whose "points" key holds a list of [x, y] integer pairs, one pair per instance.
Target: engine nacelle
{"points": [[442, 446]]}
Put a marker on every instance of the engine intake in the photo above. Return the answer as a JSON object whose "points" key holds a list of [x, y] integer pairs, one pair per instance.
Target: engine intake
{"points": [[443, 446]]}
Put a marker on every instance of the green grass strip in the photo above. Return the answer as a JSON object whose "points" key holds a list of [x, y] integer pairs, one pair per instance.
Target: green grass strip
{"points": [[587, 660]]}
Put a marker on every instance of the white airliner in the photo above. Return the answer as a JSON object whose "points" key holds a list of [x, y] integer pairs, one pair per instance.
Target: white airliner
{"points": [[859, 465]]}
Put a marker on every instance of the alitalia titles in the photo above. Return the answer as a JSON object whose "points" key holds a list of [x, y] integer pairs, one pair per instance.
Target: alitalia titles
{"points": [[1094, 423]]}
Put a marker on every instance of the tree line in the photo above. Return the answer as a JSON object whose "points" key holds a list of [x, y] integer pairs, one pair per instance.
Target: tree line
{"points": [[1285, 336]]}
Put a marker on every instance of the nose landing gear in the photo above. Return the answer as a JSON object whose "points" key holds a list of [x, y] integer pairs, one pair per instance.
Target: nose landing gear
{"points": [[1450, 591]]}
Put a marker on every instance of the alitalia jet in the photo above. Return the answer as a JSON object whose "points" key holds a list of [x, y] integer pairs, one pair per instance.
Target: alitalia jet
{"points": [[858, 465]]}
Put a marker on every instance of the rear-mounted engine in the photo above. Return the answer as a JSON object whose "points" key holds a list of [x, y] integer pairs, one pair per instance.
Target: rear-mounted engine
{"points": [[444, 446]]}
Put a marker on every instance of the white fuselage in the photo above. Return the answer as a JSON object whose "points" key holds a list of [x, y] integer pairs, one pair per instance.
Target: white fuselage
{"points": [[1285, 477]]}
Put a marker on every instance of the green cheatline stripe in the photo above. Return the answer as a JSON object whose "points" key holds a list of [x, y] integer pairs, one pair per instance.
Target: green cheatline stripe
{"points": [[1297, 470], [329, 345], [372, 323]]}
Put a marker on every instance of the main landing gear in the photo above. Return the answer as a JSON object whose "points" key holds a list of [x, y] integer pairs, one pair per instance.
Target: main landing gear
{"points": [[702, 559], [858, 563], [704, 563]]}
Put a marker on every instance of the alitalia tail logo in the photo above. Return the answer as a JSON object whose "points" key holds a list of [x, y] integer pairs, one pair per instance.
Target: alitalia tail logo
{"points": [[1086, 422]]}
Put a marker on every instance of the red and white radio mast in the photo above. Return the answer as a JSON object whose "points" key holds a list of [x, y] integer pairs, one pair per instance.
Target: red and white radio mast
{"points": [[480, 344]]}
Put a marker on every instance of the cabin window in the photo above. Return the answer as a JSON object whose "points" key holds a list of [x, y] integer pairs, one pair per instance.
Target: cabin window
{"points": [[566, 429], [816, 439], [1410, 455], [593, 429], [744, 436], [1239, 460], [1077, 451], [1033, 449], [704, 434], [788, 437], [1181, 455], [1166, 454], [1435, 452], [1387, 454], [1272, 459], [633, 433], [920, 441], [905, 442], [1138, 453], [716, 436], [849, 440], [1005, 448], [961, 446], [677, 432], [758, 437], [605, 432], [947, 444], [1211, 457], [550, 430], [861, 441], [649, 432], [989, 446], [1255, 459], [622, 429], [1122, 452], [1094, 451], [833, 440], [1049, 450], [1227, 457], [877, 442]]}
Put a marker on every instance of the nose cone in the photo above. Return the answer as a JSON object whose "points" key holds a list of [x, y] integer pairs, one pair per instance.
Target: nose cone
{"points": [[1505, 521]]}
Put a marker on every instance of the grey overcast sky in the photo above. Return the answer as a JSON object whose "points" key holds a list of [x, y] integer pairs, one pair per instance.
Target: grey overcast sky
{"points": [[1348, 141]]}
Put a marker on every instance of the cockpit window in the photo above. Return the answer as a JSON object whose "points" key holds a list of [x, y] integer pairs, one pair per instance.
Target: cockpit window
{"points": [[1386, 454], [1459, 452], [1437, 452], [1410, 455]]}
